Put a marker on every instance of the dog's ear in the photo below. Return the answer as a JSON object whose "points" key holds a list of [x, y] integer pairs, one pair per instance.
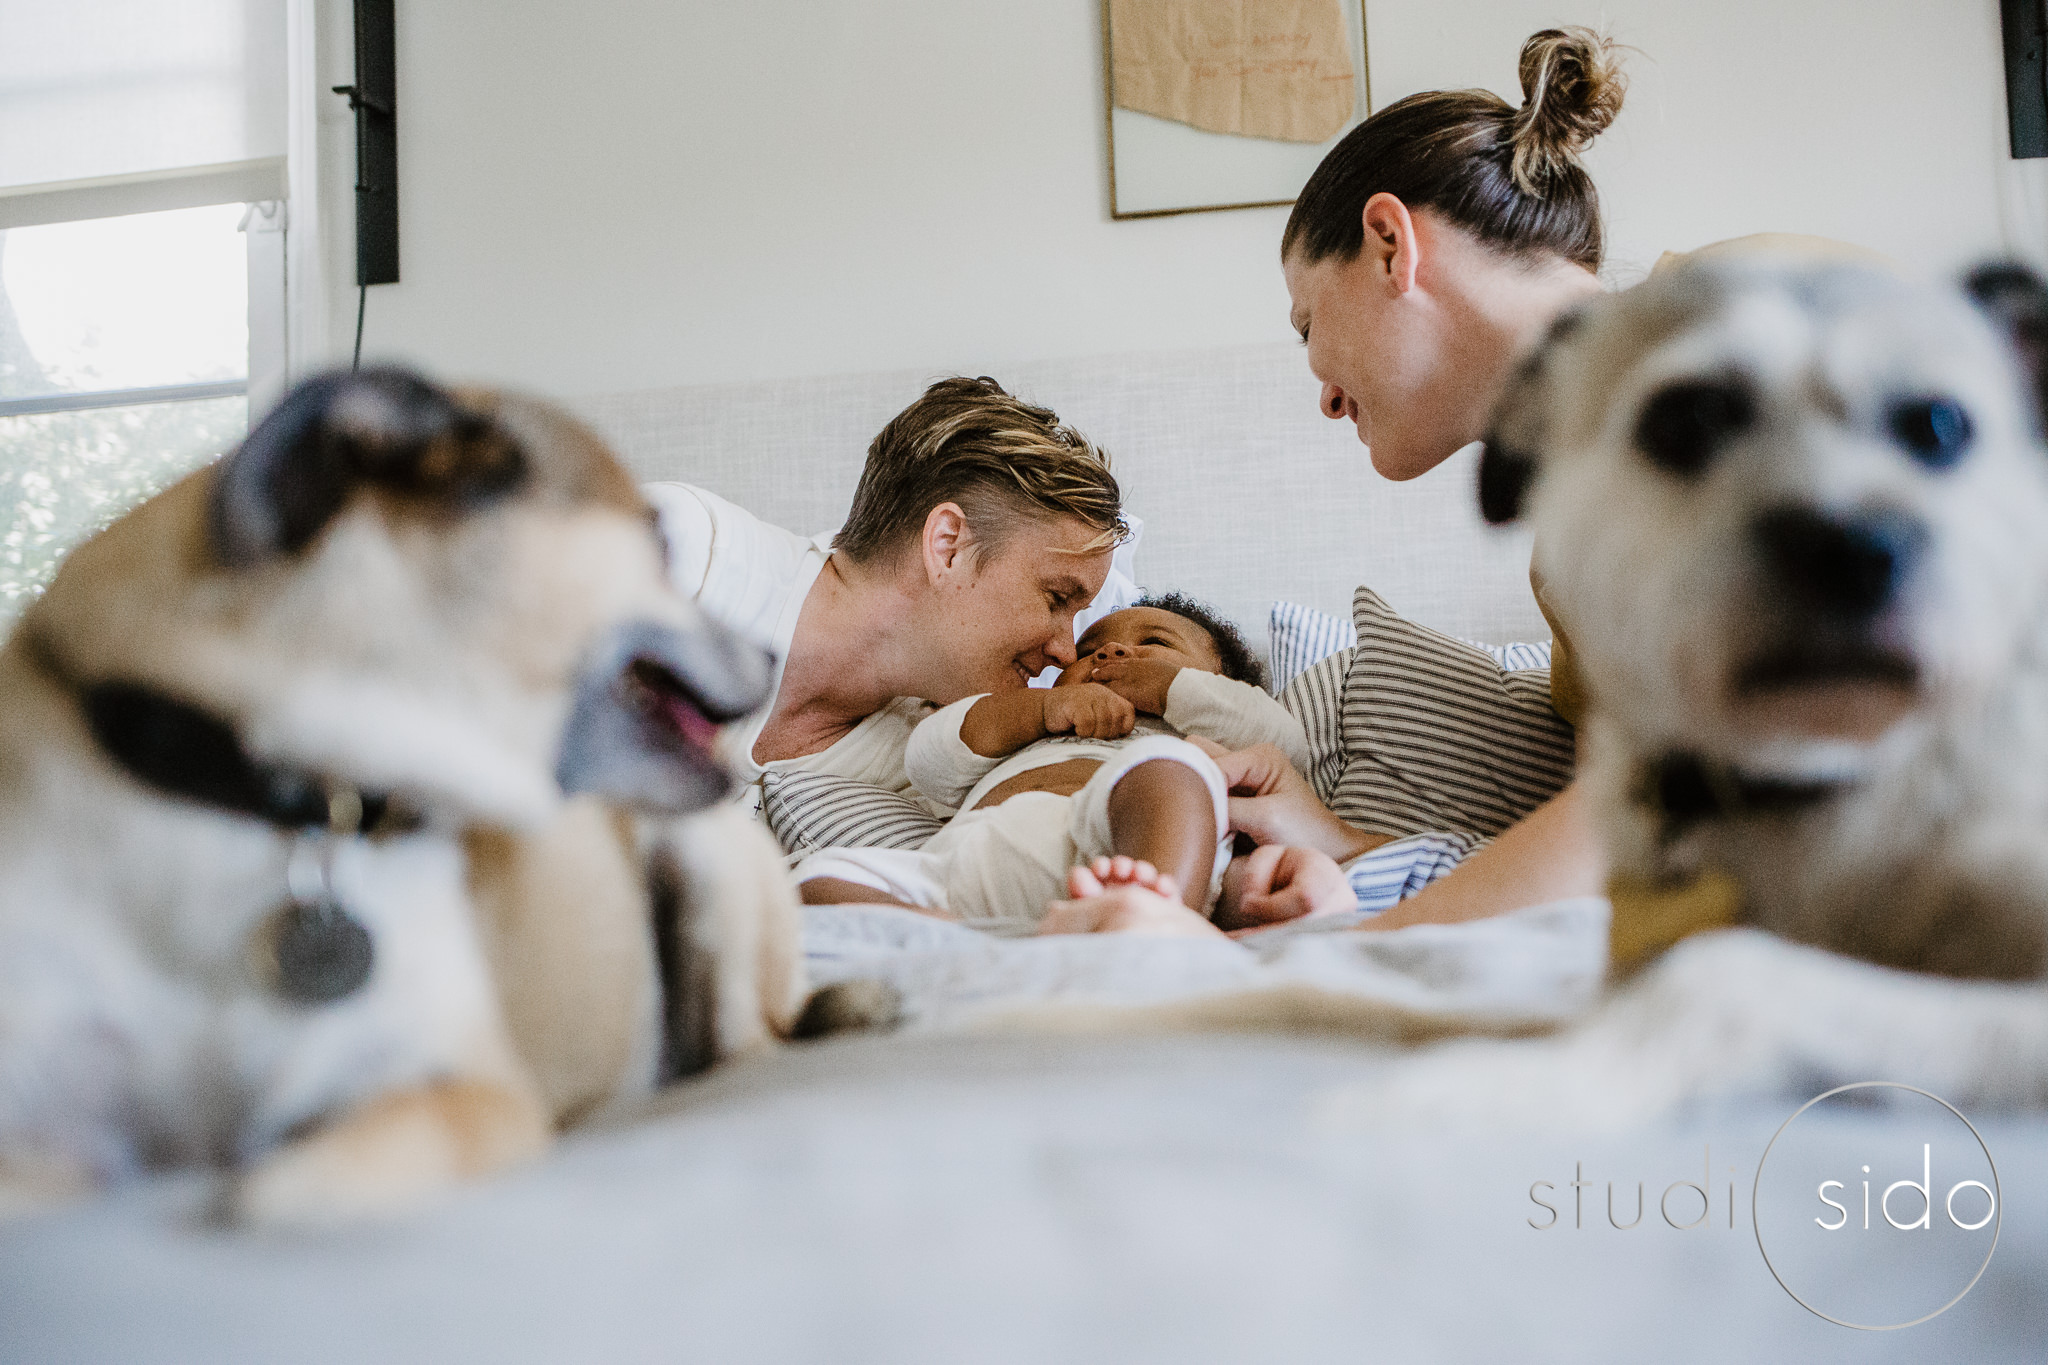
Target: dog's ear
{"points": [[645, 717], [1514, 435], [336, 433], [2017, 301], [1504, 479]]}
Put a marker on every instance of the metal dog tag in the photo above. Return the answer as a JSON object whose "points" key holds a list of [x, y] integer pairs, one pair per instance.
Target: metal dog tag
{"points": [[322, 952]]}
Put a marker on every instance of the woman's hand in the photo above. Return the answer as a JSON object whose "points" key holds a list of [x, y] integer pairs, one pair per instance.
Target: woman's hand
{"points": [[1274, 804], [1275, 883]]}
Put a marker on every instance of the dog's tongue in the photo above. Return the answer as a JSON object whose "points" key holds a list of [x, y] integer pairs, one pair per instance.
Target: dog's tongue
{"points": [[686, 720], [664, 698]]}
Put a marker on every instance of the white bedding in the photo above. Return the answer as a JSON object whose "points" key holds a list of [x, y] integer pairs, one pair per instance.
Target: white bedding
{"points": [[1538, 966]]}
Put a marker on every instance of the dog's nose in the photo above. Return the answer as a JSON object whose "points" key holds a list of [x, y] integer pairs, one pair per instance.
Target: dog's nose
{"points": [[1849, 565]]}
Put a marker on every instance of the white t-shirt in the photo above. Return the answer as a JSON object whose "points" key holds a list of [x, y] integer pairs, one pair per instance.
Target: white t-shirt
{"points": [[753, 578]]}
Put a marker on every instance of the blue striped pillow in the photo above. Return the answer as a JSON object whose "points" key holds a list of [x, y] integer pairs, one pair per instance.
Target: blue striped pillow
{"points": [[1298, 637]]}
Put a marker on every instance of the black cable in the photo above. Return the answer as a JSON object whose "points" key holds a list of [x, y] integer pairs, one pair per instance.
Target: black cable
{"points": [[362, 302]]}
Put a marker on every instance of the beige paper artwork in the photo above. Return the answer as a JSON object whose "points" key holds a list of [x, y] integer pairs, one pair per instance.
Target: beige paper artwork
{"points": [[1260, 68]]}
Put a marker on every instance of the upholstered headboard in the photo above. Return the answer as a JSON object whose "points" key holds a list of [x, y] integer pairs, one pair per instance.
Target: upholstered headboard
{"points": [[1247, 492]]}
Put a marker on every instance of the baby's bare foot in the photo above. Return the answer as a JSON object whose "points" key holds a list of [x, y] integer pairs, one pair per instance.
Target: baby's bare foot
{"points": [[1123, 895], [1107, 874]]}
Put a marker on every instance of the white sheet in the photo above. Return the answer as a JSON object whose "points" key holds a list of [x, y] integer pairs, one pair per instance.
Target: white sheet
{"points": [[1535, 967]]}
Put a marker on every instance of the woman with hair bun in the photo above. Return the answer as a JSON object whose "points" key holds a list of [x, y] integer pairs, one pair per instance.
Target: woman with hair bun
{"points": [[1439, 239], [1432, 246]]}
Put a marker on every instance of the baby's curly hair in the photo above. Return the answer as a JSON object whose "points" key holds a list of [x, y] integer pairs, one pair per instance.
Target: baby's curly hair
{"points": [[1239, 662]]}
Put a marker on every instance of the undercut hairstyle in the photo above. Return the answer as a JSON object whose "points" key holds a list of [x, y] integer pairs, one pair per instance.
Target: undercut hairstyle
{"points": [[1510, 177], [1237, 657], [1004, 461]]}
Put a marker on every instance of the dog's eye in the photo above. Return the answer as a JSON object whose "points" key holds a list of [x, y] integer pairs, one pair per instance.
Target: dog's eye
{"points": [[1935, 430], [1685, 424]]}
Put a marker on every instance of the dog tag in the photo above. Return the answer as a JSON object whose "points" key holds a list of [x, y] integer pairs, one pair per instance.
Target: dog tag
{"points": [[322, 952]]}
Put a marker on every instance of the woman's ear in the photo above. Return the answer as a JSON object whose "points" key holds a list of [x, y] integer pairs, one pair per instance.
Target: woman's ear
{"points": [[1390, 240], [947, 544]]}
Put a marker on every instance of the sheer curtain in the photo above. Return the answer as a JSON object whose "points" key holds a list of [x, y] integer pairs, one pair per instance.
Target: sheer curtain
{"points": [[142, 173], [129, 106]]}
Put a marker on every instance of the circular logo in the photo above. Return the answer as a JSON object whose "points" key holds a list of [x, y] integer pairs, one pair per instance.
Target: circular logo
{"points": [[1871, 1229]]}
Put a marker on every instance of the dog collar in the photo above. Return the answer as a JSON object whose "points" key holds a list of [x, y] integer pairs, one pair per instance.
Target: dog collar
{"points": [[1684, 788], [187, 752], [1649, 917], [312, 950], [183, 751]]}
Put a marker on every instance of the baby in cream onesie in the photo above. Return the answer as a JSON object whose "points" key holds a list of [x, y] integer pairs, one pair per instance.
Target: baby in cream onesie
{"points": [[1048, 779]]}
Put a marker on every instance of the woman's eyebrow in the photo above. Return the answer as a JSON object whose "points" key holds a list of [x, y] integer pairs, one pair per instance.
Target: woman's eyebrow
{"points": [[1066, 587]]}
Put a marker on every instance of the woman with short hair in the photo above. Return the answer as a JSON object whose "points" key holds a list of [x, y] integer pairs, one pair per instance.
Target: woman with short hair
{"points": [[980, 527]]}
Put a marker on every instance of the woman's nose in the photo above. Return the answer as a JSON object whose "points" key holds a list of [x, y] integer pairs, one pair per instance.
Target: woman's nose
{"points": [[1333, 401]]}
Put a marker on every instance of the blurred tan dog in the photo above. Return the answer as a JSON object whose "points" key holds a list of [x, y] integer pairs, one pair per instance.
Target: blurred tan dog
{"points": [[358, 819]]}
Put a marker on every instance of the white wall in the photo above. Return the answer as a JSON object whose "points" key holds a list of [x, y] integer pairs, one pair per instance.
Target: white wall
{"points": [[1874, 121], [642, 193]]}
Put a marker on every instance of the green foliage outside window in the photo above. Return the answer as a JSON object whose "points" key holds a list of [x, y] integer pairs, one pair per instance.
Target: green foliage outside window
{"points": [[65, 475]]}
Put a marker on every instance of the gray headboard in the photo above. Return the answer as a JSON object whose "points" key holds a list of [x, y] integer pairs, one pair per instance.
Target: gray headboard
{"points": [[1247, 492]]}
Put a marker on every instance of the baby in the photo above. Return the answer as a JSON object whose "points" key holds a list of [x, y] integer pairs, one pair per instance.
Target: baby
{"points": [[1092, 782]]}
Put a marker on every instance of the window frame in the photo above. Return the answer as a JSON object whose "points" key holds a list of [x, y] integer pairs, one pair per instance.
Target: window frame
{"points": [[265, 224]]}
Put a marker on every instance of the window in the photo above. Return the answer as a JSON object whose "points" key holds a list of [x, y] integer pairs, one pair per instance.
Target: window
{"points": [[124, 364], [140, 303]]}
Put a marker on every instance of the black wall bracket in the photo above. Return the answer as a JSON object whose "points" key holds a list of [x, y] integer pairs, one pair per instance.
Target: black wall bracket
{"points": [[374, 98], [2025, 23]]}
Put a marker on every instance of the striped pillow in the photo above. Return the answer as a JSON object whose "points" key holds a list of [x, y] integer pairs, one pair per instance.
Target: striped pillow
{"points": [[1391, 873], [810, 811], [1435, 733], [1298, 636], [1316, 699]]}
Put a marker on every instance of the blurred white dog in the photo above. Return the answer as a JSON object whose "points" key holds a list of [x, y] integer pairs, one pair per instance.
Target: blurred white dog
{"points": [[1797, 523], [1796, 520]]}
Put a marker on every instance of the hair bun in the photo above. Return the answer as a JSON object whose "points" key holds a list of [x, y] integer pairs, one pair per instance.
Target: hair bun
{"points": [[1572, 87]]}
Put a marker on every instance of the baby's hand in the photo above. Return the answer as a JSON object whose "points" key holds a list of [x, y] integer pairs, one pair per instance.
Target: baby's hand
{"points": [[1276, 882], [1144, 683], [1087, 711]]}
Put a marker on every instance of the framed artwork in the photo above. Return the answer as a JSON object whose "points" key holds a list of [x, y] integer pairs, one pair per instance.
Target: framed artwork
{"points": [[1226, 104]]}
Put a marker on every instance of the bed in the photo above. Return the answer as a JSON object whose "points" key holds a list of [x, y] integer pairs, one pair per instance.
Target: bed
{"points": [[960, 1191]]}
